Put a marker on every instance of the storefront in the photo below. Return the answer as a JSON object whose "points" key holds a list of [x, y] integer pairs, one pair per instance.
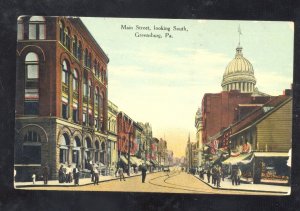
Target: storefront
{"points": [[271, 168]]}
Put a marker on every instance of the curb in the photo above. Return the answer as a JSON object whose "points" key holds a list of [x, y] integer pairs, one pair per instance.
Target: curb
{"points": [[72, 185], [262, 191]]}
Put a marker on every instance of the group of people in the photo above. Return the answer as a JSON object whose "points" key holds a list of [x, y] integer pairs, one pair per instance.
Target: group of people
{"points": [[120, 171], [216, 173], [67, 174]]}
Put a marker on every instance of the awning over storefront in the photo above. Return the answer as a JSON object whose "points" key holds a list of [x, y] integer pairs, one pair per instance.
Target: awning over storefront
{"points": [[123, 159], [136, 161], [271, 154], [148, 163], [242, 158], [154, 162]]}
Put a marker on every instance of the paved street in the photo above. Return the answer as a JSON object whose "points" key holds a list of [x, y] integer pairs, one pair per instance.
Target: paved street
{"points": [[172, 182]]}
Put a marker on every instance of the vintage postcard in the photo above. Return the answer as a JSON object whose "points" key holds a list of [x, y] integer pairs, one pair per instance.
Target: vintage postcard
{"points": [[154, 105]]}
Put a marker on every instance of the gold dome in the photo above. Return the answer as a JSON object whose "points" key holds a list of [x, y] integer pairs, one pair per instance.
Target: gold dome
{"points": [[239, 74]]}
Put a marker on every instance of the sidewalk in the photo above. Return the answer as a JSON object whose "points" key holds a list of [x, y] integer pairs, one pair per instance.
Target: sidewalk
{"points": [[227, 185], [82, 181]]}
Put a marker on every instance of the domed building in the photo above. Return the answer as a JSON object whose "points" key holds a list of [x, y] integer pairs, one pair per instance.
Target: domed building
{"points": [[239, 74]]}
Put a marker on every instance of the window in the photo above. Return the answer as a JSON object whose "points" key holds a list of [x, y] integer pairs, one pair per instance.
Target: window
{"points": [[75, 81], [32, 66], [75, 48], [64, 111], [31, 153], [86, 57], [20, 29], [37, 28], [67, 39], [75, 115], [84, 118], [64, 144], [65, 73], [76, 151], [97, 151], [31, 102], [61, 32], [90, 89], [79, 51], [31, 107]]}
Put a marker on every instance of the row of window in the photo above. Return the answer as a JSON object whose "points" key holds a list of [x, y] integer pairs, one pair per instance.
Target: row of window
{"points": [[75, 47], [36, 30]]}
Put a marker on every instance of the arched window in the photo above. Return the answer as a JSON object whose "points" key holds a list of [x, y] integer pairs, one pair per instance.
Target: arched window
{"points": [[75, 95], [97, 151], [86, 55], [37, 30], [61, 32], [76, 151], [65, 72], [75, 81], [65, 89], [31, 103], [31, 152], [79, 51], [67, 38], [64, 144], [87, 152], [102, 153], [90, 60], [96, 108], [75, 48], [90, 89], [20, 29]]}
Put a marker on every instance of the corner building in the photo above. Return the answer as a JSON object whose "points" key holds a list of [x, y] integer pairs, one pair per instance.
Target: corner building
{"points": [[61, 96]]}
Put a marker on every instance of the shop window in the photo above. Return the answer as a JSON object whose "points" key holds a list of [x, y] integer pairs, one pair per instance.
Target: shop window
{"points": [[31, 153], [64, 144], [37, 29]]}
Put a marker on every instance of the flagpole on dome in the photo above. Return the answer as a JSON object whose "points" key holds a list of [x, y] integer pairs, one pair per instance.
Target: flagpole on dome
{"points": [[240, 33]]}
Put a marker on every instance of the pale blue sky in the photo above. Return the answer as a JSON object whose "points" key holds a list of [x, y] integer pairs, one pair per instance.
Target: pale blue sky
{"points": [[162, 81]]}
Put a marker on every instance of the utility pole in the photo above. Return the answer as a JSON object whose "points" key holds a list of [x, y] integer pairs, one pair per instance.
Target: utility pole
{"points": [[129, 147]]}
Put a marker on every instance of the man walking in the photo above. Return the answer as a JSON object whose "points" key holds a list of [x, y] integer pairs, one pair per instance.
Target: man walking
{"points": [[208, 175], [45, 173], [96, 176], [144, 170], [121, 173]]}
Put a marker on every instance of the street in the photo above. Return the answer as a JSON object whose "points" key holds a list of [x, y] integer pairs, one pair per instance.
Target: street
{"points": [[166, 182]]}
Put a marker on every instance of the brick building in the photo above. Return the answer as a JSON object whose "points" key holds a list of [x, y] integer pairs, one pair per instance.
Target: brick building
{"points": [[219, 110], [61, 96]]}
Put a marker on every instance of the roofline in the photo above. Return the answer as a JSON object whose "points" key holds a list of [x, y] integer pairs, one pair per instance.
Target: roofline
{"points": [[263, 117], [93, 39]]}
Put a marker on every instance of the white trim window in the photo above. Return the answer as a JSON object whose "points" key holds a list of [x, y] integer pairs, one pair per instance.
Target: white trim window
{"points": [[37, 28]]}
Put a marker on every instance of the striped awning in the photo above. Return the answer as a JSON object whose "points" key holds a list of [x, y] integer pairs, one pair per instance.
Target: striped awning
{"points": [[239, 159], [123, 159]]}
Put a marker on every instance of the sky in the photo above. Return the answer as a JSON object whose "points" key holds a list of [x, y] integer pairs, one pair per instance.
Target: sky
{"points": [[162, 80]]}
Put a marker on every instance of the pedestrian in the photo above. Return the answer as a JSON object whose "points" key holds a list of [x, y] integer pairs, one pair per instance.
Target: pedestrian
{"points": [[92, 172], [218, 176], [96, 176], [234, 176], [208, 173], [223, 173], [121, 173], [33, 178], [144, 170], [61, 175], [239, 175], [76, 175], [68, 174], [45, 173], [213, 175]]}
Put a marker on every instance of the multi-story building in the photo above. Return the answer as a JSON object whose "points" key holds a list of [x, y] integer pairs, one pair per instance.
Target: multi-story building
{"points": [[162, 152], [112, 130], [154, 152], [61, 96]]}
